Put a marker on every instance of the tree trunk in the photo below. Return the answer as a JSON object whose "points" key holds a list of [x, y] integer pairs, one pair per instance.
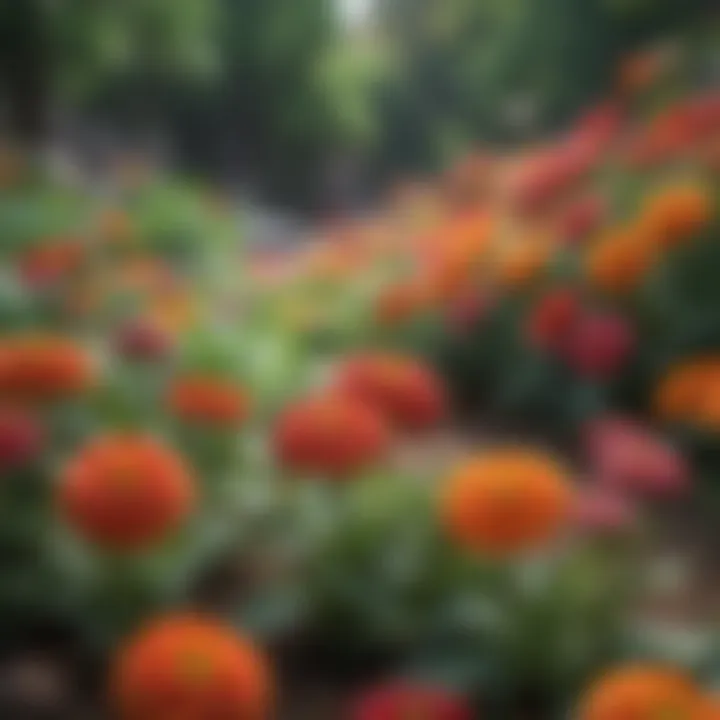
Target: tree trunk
{"points": [[25, 70]]}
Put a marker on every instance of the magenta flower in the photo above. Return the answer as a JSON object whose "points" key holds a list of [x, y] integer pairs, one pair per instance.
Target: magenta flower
{"points": [[627, 456]]}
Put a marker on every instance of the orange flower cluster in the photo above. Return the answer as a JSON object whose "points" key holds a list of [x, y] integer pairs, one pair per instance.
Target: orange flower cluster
{"points": [[407, 392], [333, 436], [643, 692], [208, 401], [126, 492], [36, 367], [192, 668], [507, 501], [401, 302], [690, 393], [619, 260], [676, 213], [521, 263]]}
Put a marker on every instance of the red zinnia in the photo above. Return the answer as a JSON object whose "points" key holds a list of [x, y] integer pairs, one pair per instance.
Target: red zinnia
{"points": [[410, 394], [553, 318], [600, 345], [126, 492], [209, 400], [404, 701], [330, 436], [20, 438], [43, 367]]}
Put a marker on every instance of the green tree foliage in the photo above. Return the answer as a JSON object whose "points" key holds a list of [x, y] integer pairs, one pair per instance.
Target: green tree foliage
{"points": [[66, 46], [505, 70]]}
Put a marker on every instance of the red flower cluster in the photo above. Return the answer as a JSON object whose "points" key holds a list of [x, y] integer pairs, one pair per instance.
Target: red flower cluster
{"points": [[593, 343], [20, 438], [333, 435], [407, 392], [404, 701], [676, 130], [600, 344], [551, 172], [553, 317], [42, 367], [209, 401]]}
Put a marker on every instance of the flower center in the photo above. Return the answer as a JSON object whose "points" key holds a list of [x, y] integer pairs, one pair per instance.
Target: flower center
{"points": [[195, 667]]}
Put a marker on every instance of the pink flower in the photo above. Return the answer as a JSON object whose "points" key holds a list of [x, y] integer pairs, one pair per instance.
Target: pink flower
{"points": [[601, 510], [600, 345], [625, 455], [404, 701], [20, 438]]}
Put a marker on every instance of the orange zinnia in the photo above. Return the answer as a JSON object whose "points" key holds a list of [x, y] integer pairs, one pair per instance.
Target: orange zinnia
{"points": [[192, 668], [522, 263], [208, 400], [642, 693], [710, 708], [334, 436], [37, 367], [126, 492], [506, 501], [686, 389], [618, 261], [408, 392], [676, 213]]}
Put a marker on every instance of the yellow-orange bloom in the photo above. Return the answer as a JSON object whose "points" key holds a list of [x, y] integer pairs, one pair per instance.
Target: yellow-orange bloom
{"points": [[690, 393], [506, 501], [618, 261], [642, 693], [676, 213], [523, 262], [192, 668]]}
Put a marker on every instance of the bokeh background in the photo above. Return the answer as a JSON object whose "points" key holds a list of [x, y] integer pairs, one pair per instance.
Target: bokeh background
{"points": [[359, 359]]}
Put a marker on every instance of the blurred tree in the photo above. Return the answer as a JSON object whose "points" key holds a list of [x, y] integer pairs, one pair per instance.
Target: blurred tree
{"points": [[55, 47]]}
